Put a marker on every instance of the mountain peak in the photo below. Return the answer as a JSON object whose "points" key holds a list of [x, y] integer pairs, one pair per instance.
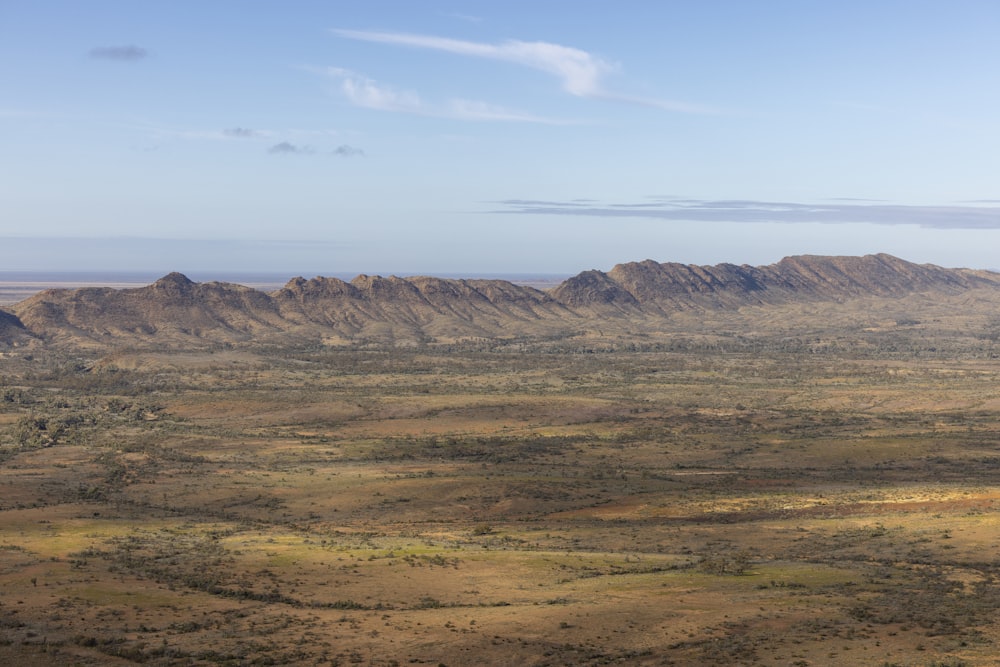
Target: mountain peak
{"points": [[174, 282]]}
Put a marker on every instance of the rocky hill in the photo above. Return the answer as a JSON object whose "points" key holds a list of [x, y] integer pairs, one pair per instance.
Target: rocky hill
{"points": [[670, 287], [176, 312]]}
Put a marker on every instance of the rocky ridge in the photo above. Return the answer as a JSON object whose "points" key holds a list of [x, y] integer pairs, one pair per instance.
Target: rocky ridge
{"points": [[174, 311]]}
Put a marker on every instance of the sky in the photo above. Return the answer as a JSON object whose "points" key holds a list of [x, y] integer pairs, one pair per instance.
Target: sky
{"points": [[473, 137]]}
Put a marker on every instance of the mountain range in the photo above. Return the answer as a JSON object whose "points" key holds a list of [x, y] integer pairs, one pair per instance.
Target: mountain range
{"points": [[176, 312]]}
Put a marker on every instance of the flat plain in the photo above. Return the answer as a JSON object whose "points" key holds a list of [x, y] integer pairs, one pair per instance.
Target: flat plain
{"points": [[799, 485]]}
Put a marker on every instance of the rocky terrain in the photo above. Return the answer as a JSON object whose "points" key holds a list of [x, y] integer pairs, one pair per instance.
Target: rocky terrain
{"points": [[632, 297]]}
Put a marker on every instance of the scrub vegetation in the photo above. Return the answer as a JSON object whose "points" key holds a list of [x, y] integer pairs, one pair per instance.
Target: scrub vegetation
{"points": [[735, 496]]}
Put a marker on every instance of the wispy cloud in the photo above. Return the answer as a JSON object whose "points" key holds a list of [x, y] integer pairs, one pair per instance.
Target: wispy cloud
{"points": [[468, 18], [120, 53], [579, 72], [287, 148], [367, 93], [347, 151], [750, 211], [654, 103], [370, 94], [241, 133], [473, 110], [165, 132]]}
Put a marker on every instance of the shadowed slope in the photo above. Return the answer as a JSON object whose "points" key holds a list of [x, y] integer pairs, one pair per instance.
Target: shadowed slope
{"points": [[12, 330]]}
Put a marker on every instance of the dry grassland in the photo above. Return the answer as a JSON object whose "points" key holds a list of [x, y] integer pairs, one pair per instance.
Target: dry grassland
{"points": [[694, 504]]}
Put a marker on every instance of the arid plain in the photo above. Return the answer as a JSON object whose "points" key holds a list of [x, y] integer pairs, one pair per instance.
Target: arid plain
{"points": [[798, 482]]}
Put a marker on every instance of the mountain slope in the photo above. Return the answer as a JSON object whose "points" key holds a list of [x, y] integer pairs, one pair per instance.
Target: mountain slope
{"points": [[173, 307], [373, 307], [663, 288], [176, 312]]}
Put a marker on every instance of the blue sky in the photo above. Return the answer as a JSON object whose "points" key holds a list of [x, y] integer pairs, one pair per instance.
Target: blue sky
{"points": [[483, 137]]}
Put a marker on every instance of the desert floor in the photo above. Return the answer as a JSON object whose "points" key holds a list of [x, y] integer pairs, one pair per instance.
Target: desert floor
{"points": [[502, 504]]}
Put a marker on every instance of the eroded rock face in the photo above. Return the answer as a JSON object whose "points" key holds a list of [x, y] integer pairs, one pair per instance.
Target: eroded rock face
{"points": [[175, 311]]}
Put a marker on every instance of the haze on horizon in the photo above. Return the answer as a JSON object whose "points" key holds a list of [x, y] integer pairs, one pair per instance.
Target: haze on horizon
{"points": [[476, 137]]}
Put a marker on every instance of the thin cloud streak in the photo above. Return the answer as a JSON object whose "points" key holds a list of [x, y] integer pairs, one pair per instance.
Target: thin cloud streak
{"points": [[469, 18], [481, 111], [749, 211], [652, 103], [120, 53], [367, 93], [580, 73]]}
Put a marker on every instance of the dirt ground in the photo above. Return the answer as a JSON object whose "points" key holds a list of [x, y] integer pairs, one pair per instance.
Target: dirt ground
{"points": [[470, 506]]}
